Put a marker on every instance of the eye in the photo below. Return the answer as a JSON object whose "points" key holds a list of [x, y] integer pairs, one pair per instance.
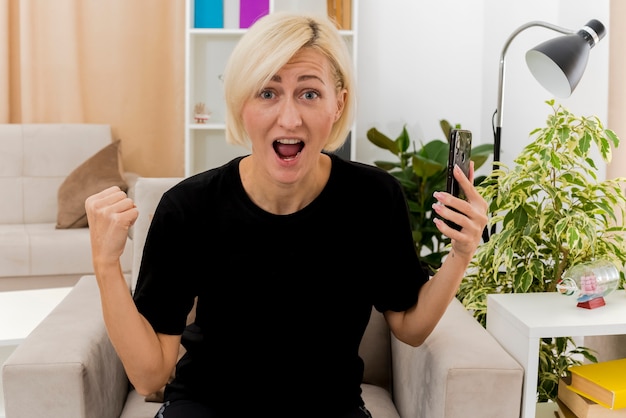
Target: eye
{"points": [[310, 95], [266, 94]]}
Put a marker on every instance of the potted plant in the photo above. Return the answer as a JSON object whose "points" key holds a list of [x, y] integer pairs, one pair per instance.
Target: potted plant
{"points": [[551, 213], [422, 171]]}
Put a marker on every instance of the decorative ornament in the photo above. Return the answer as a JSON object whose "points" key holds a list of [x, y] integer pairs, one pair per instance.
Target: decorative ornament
{"points": [[200, 113], [591, 281]]}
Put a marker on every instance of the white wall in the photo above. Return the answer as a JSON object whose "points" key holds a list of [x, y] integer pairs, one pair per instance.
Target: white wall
{"points": [[420, 61]]}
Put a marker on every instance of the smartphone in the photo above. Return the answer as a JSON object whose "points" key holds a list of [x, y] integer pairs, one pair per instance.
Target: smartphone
{"points": [[459, 154]]}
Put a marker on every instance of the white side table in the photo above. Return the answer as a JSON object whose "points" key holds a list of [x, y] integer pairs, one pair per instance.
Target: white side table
{"points": [[519, 320], [20, 312]]}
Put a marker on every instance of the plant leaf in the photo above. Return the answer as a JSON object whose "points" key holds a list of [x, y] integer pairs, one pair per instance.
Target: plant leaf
{"points": [[403, 141], [426, 168], [382, 141]]}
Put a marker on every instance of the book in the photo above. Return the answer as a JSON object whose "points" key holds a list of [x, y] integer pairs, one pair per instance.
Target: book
{"points": [[603, 382], [251, 10], [341, 12], [563, 411], [581, 407], [208, 14]]}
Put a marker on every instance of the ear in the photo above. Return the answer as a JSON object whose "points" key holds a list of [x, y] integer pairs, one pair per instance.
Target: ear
{"points": [[341, 101]]}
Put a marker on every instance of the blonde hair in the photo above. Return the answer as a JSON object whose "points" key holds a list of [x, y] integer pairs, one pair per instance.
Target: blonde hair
{"points": [[266, 47]]}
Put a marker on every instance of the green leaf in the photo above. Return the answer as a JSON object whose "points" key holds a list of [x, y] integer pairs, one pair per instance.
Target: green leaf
{"points": [[524, 281], [385, 165], [436, 150], [426, 168], [482, 149], [605, 150], [612, 137], [573, 238], [382, 141], [403, 141], [445, 128], [585, 143], [480, 154]]}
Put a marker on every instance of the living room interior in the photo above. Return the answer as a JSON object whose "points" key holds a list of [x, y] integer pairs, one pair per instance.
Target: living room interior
{"points": [[123, 65]]}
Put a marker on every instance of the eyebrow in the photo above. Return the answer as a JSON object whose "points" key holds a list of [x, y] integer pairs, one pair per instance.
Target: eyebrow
{"points": [[278, 79]]}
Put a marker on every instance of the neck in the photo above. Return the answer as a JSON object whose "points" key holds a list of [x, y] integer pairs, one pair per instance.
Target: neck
{"points": [[283, 198]]}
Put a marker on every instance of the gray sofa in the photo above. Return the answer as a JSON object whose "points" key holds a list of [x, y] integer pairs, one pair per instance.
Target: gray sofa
{"points": [[68, 368], [35, 159]]}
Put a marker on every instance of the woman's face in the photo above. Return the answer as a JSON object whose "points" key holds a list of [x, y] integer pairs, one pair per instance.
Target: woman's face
{"points": [[290, 119]]}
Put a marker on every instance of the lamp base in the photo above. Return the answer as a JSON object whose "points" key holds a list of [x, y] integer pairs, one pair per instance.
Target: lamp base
{"points": [[592, 303]]}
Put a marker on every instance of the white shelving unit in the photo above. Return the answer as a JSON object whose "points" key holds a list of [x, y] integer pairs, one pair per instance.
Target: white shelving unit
{"points": [[206, 53]]}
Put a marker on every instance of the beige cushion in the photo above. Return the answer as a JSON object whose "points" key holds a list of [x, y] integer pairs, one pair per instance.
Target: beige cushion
{"points": [[100, 171], [43, 250]]}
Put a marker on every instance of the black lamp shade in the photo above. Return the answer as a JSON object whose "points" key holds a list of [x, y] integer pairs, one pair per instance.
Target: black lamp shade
{"points": [[558, 64]]}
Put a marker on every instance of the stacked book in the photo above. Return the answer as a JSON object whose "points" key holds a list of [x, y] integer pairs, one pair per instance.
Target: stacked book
{"points": [[341, 12], [213, 13], [243, 13], [595, 390]]}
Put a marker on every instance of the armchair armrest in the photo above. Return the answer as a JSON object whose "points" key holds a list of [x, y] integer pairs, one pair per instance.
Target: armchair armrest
{"points": [[67, 366], [460, 371]]}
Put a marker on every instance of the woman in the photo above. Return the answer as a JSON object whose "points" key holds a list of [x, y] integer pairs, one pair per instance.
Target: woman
{"points": [[286, 249]]}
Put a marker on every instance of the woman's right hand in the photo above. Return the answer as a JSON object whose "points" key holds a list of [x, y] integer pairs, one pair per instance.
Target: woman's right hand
{"points": [[110, 214]]}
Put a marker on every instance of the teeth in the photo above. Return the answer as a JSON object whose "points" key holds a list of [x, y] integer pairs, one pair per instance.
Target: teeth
{"points": [[288, 141]]}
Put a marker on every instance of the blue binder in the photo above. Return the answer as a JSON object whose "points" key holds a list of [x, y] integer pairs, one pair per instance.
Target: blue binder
{"points": [[208, 14]]}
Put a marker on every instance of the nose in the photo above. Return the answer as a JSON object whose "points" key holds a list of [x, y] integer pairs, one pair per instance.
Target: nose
{"points": [[289, 115]]}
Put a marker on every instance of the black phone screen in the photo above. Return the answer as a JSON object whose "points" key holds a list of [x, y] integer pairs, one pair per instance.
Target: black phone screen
{"points": [[459, 154]]}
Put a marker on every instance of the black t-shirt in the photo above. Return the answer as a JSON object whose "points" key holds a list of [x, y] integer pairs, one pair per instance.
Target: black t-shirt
{"points": [[283, 300]]}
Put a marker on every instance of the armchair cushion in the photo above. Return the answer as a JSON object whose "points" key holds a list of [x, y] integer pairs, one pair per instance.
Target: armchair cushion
{"points": [[101, 170]]}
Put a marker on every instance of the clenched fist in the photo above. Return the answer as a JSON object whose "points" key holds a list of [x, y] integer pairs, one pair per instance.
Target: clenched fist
{"points": [[110, 213]]}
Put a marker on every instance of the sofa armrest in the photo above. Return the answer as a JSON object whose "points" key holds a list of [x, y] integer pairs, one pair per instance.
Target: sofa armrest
{"points": [[67, 366], [460, 371]]}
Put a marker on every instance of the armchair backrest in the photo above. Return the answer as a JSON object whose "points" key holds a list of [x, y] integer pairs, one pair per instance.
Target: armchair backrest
{"points": [[146, 194], [375, 349]]}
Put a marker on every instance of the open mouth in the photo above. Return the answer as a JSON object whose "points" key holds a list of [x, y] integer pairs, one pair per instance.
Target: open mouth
{"points": [[288, 149]]}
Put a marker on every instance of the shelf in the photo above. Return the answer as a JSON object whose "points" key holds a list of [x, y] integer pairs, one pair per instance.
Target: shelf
{"points": [[216, 32], [546, 410], [207, 126]]}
